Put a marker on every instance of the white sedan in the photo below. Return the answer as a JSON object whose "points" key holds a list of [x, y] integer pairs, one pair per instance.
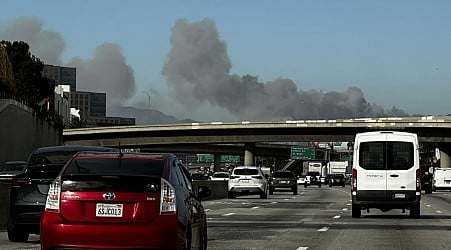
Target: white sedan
{"points": [[220, 176]]}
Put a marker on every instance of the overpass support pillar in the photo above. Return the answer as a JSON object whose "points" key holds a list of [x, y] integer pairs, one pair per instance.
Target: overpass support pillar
{"points": [[249, 151], [217, 162], [445, 153]]}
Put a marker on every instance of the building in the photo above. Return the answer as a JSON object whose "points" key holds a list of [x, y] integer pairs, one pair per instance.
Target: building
{"points": [[61, 75], [91, 105]]}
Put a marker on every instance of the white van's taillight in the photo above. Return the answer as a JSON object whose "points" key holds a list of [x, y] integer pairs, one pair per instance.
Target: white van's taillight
{"points": [[354, 180], [418, 180], [54, 197], [167, 204]]}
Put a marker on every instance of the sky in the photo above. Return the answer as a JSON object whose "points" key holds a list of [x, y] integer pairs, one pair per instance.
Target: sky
{"points": [[215, 60]]}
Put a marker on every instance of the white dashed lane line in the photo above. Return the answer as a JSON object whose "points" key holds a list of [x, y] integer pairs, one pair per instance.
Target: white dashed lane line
{"points": [[255, 207], [228, 214], [323, 229], [337, 217]]}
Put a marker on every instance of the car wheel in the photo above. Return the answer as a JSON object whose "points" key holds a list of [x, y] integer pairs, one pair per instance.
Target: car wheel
{"points": [[319, 185], [231, 195], [428, 190], [305, 185], [271, 191], [17, 235], [295, 190], [264, 196], [415, 211], [356, 211]]}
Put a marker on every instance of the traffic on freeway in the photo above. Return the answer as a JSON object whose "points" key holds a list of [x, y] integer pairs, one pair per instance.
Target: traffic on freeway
{"points": [[316, 218]]}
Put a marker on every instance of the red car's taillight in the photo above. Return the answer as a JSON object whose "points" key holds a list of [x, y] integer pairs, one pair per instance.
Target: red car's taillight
{"points": [[354, 179], [54, 197], [167, 203]]}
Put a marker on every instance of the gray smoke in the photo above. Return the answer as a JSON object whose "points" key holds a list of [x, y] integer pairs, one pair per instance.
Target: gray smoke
{"points": [[46, 44], [106, 72], [198, 70]]}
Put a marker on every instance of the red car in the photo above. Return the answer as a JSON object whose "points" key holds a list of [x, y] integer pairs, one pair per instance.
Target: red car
{"points": [[124, 201]]}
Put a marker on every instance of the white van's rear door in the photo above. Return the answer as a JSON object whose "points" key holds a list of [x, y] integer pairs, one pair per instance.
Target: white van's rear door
{"points": [[401, 167]]}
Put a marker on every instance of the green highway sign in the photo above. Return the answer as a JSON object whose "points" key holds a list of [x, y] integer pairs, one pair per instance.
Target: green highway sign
{"points": [[208, 158], [302, 153]]}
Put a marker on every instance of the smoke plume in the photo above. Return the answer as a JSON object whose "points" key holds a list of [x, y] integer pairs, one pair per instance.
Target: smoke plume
{"points": [[198, 70], [106, 72], [46, 44]]}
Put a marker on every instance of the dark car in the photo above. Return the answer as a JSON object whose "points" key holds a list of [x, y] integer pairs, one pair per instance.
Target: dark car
{"points": [[10, 169], [131, 200], [199, 177], [336, 180], [283, 181], [29, 189]]}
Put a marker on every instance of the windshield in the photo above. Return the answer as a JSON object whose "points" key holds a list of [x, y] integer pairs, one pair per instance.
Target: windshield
{"points": [[245, 87], [245, 171]]}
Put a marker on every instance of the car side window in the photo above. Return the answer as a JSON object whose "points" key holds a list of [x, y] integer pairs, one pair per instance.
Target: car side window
{"points": [[186, 176], [179, 176]]}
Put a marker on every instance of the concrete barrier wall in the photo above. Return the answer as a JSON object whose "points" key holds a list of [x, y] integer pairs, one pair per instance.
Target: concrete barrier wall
{"points": [[219, 188], [21, 131]]}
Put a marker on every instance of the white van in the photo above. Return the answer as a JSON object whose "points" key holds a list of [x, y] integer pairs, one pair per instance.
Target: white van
{"points": [[442, 179], [386, 172]]}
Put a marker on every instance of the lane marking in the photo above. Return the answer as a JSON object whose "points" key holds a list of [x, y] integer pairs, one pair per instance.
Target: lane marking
{"points": [[207, 210], [345, 209], [324, 229], [274, 202], [428, 205], [302, 248], [255, 207], [439, 212], [337, 217], [228, 214]]}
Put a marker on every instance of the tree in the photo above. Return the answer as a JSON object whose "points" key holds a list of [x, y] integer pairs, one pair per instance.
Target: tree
{"points": [[27, 72], [6, 73]]}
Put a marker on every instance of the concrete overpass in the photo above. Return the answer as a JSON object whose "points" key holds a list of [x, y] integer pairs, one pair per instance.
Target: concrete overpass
{"points": [[246, 137]]}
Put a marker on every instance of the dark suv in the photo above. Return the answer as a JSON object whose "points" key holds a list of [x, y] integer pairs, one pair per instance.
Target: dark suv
{"points": [[29, 189], [283, 180], [336, 180]]}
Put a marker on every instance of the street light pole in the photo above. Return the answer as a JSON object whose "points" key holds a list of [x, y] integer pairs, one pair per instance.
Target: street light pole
{"points": [[148, 106]]}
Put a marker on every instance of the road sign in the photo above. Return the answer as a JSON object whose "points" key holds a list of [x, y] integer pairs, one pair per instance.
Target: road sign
{"points": [[303, 153], [208, 158]]}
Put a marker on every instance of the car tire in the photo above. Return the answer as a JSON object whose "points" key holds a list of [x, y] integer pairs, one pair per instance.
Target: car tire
{"points": [[231, 195], [356, 211], [264, 196], [271, 191], [330, 185], [415, 211], [17, 235], [305, 185], [295, 190], [319, 185]]}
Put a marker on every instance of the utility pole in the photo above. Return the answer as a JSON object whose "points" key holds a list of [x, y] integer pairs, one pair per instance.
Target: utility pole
{"points": [[148, 106]]}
